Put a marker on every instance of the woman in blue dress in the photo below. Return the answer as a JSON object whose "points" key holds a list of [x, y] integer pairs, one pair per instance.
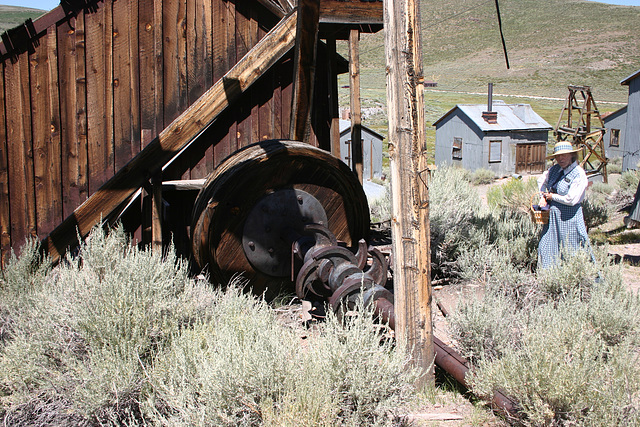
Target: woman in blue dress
{"points": [[563, 188]]}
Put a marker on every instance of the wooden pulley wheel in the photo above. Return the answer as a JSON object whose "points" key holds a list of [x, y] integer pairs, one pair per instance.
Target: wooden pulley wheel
{"points": [[257, 202]]}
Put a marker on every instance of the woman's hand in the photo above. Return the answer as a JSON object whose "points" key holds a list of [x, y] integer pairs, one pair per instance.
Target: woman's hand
{"points": [[547, 196]]}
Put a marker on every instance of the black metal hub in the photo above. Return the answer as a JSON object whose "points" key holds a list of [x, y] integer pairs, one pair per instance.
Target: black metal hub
{"points": [[274, 224]]}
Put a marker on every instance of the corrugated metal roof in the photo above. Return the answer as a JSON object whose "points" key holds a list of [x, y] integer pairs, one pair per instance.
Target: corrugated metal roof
{"points": [[510, 116]]}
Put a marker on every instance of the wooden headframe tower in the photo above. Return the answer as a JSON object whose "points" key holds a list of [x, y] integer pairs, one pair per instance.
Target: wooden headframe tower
{"points": [[580, 123]]}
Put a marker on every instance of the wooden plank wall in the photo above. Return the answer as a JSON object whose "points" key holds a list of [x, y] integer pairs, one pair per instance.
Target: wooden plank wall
{"points": [[102, 85]]}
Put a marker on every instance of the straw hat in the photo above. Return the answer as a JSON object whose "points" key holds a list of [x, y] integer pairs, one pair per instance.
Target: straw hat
{"points": [[562, 147]]}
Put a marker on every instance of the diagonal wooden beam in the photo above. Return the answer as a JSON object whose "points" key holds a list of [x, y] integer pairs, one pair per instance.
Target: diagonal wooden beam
{"points": [[304, 63], [177, 136]]}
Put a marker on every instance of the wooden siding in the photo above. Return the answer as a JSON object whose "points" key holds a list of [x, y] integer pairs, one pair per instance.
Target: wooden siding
{"points": [[103, 84], [631, 153]]}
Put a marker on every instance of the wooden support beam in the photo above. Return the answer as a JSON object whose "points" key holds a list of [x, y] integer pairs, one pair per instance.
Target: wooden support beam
{"points": [[156, 212], [173, 139], [333, 11], [409, 175], [356, 113], [304, 65], [332, 75], [341, 12]]}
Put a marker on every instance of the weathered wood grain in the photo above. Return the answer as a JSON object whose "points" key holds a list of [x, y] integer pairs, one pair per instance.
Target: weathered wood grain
{"points": [[46, 135], [409, 175], [174, 138], [100, 103], [304, 69], [5, 219], [19, 153]]}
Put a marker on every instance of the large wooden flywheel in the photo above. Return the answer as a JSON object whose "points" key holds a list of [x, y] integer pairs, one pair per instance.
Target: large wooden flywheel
{"points": [[258, 201]]}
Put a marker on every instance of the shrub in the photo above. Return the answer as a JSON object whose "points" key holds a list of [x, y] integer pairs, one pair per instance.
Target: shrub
{"points": [[459, 226], [454, 204], [483, 176], [601, 188], [380, 208], [562, 343], [122, 336], [514, 195], [614, 165]]}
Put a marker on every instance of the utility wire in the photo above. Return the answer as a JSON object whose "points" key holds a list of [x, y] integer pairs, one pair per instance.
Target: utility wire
{"points": [[504, 46], [434, 23]]}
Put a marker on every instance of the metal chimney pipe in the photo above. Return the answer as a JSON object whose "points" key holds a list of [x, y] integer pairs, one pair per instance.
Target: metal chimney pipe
{"points": [[490, 98]]}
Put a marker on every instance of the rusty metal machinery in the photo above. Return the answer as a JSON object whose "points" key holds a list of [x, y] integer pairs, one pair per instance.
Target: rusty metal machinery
{"points": [[284, 212], [580, 128]]}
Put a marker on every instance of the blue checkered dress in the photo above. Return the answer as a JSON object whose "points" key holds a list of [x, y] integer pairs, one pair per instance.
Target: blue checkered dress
{"points": [[566, 227]]}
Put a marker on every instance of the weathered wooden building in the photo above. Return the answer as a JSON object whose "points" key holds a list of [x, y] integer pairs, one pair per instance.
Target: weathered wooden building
{"points": [[371, 150], [631, 152], [615, 124], [507, 139], [105, 100]]}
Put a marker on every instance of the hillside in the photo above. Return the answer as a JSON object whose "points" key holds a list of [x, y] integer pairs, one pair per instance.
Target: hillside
{"points": [[10, 16], [551, 44]]}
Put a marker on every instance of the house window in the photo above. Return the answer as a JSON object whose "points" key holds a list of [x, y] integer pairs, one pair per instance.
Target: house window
{"points": [[457, 148], [495, 150], [615, 138]]}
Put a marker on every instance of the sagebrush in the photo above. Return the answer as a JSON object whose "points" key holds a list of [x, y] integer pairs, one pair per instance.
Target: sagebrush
{"points": [[122, 336]]}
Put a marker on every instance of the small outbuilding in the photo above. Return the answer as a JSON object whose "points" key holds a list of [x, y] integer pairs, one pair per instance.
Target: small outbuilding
{"points": [[615, 123], [371, 150], [507, 139], [631, 151]]}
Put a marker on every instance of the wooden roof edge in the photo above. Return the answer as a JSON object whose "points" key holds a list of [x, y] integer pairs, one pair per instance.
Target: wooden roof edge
{"points": [[335, 11], [24, 37]]}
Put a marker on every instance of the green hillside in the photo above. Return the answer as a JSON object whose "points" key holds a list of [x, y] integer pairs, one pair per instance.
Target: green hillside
{"points": [[551, 44], [10, 16]]}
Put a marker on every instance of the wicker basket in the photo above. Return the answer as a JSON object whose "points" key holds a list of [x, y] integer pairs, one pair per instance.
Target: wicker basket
{"points": [[538, 217]]}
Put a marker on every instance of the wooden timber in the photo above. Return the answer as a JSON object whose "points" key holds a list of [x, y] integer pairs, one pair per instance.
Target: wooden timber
{"points": [[354, 101], [304, 64], [409, 175]]}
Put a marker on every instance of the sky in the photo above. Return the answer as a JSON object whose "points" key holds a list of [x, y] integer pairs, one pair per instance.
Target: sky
{"points": [[50, 4]]}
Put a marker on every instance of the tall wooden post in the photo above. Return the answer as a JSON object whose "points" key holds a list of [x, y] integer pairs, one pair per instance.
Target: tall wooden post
{"points": [[334, 113], [409, 191], [304, 61], [356, 114]]}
